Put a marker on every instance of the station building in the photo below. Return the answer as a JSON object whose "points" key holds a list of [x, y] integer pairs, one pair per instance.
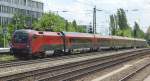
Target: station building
{"points": [[8, 8]]}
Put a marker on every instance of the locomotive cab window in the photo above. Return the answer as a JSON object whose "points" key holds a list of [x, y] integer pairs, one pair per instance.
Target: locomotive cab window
{"points": [[20, 37]]}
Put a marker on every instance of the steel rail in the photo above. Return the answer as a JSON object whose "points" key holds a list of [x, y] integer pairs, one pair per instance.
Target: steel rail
{"points": [[133, 73], [20, 62], [84, 71]]}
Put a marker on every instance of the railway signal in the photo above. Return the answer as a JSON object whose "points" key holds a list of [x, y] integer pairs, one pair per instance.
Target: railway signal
{"points": [[94, 19], [90, 30]]}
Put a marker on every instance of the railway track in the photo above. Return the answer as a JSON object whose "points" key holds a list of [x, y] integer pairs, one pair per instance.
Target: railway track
{"points": [[127, 77], [52, 58], [74, 68]]}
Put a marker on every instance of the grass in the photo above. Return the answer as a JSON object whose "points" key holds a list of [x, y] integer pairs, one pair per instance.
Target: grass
{"points": [[6, 58]]}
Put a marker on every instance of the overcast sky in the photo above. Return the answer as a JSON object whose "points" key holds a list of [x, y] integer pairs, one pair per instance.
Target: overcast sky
{"points": [[81, 11]]}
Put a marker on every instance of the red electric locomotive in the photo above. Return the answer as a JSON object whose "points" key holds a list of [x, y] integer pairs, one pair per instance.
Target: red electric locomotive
{"points": [[33, 43]]}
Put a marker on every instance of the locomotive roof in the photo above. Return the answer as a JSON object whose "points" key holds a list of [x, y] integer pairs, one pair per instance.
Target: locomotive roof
{"points": [[100, 36], [128, 38], [39, 32], [26, 30], [119, 37], [47, 33], [140, 39]]}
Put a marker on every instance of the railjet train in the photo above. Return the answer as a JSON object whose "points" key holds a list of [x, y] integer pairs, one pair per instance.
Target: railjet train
{"points": [[30, 43]]}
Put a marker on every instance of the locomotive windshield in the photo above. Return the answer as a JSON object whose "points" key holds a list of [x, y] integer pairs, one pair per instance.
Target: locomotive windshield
{"points": [[20, 37]]}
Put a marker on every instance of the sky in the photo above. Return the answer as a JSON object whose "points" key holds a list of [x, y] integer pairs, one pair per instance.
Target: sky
{"points": [[81, 11]]}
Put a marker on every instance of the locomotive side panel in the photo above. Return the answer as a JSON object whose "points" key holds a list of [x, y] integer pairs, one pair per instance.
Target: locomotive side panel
{"points": [[43, 43]]}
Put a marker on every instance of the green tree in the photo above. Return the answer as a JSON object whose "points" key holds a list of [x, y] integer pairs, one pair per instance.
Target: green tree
{"points": [[20, 21], [124, 28], [1, 36], [127, 32], [122, 19], [71, 28], [75, 25], [82, 28], [137, 32], [113, 24], [148, 34], [66, 25], [50, 21], [119, 24], [54, 22]]}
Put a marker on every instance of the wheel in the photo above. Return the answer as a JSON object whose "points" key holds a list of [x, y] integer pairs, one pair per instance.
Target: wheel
{"points": [[11, 52], [68, 52], [58, 52], [17, 56], [42, 55], [26, 56]]}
